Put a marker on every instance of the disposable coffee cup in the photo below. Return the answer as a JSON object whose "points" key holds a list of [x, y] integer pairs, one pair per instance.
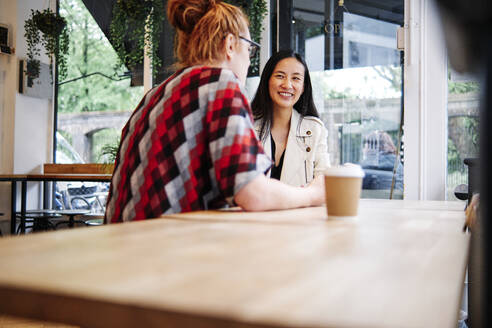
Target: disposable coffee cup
{"points": [[342, 189]]}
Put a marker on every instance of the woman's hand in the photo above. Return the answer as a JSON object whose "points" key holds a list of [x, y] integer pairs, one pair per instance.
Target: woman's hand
{"points": [[264, 194]]}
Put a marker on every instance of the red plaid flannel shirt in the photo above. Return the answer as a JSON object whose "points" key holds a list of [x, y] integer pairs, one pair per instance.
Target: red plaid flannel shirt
{"points": [[190, 145]]}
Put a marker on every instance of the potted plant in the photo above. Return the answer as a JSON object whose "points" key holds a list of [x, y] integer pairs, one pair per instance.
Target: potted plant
{"points": [[48, 29], [140, 21], [137, 22], [109, 151]]}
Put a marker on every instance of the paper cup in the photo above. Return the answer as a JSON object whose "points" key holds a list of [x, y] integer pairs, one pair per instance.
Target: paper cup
{"points": [[343, 185]]}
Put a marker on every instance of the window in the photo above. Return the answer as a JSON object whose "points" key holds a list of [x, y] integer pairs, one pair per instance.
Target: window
{"points": [[463, 133], [96, 98], [356, 71]]}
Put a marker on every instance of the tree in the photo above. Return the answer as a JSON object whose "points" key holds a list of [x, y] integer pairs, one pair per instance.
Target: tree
{"points": [[392, 74], [463, 131]]}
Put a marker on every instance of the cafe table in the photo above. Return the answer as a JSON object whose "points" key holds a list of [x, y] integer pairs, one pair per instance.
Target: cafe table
{"points": [[23, 179], [396, 264]]}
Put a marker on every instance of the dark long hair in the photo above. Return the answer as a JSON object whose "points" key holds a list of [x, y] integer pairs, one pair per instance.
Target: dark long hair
{"points": [[262, 102]]}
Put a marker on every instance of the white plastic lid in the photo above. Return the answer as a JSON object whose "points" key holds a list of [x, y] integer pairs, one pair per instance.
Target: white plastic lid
{"points": [[345, 170]]}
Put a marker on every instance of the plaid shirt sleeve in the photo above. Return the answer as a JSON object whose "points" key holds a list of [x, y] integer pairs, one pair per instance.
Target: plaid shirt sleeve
{"points": [[237, 154]]}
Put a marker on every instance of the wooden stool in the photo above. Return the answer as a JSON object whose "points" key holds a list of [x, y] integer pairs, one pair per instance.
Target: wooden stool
{"points": [[94, 222], [93, 219], [71, 217]]}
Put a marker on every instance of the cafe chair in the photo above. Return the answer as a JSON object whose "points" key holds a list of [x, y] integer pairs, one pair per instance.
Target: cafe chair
{"points": [[85, 197], [473, 176], [461, 191], [38, 220]]}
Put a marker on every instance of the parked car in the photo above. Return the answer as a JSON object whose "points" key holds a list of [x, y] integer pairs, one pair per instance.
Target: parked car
{"points": [[380, 176]]}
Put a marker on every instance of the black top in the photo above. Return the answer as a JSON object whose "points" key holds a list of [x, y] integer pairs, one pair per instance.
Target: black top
{"points": [[276, 170]]}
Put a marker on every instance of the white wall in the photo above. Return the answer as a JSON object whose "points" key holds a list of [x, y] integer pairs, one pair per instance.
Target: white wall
{"points": [[33, 116], [8, 14], [26, 122], [8, 76]]}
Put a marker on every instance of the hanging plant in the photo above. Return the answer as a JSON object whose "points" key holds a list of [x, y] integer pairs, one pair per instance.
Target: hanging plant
{"points": [[53, 37], [138, 22], [256, 11]]}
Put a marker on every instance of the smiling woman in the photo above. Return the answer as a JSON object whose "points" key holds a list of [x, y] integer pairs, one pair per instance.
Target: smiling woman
{"points": [[287, 121]]}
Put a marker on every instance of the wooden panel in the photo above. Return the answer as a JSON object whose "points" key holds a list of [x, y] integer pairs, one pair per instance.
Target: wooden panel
{"points": [[12, 177], [69, 177], [92, 168], [17, 322]]}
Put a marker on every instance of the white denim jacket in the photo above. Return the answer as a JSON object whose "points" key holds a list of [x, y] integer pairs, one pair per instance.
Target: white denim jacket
{"points": [[306, 154]]}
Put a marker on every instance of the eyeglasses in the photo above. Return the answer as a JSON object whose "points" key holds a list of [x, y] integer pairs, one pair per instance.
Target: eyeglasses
{"points": [[253, 47]]}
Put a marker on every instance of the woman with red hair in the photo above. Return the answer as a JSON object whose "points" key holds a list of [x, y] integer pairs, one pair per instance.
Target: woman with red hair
{"points": [[190, 144]]}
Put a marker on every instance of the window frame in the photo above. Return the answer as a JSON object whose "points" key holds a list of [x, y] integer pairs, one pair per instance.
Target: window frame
{"points": [[425, 100]]}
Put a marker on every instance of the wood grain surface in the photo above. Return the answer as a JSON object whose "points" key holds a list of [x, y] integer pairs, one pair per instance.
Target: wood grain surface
{"points": [[89, 168], [391, 266], [57, 177]]}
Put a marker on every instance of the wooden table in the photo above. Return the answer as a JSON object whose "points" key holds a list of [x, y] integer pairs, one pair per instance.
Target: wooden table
{"points": [[47, 177], [395, 265]]}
